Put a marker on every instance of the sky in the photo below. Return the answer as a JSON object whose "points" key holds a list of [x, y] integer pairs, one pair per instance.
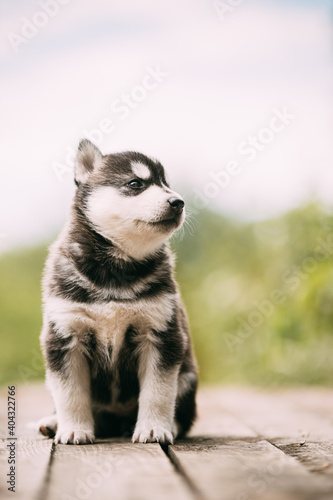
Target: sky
{"points": [[235, 102]]}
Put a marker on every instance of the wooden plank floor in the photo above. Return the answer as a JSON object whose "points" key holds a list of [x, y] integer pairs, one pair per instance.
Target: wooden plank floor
{"points": [[248, 444]]}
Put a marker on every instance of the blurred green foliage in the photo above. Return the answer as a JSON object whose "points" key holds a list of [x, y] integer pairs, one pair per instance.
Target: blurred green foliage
{"points": [[259, 298], [20, 313]]}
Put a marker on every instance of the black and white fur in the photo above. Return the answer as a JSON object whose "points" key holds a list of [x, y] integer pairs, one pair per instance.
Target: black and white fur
{"points": [[115, 335]]}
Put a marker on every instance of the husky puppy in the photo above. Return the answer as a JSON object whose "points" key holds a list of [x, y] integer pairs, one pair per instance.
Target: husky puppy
{"points": [[115, 335]]}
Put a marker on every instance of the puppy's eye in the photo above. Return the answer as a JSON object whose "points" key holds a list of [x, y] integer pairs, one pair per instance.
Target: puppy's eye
{"points": [[135, 184]]}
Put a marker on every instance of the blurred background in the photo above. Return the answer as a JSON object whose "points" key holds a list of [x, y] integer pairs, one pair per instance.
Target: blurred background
{"points": [[235, 99]]}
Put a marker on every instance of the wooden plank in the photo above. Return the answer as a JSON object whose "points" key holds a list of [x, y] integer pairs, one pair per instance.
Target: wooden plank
{"points": [[250, 466], [317, 400], [215, 420], [33, 456], [247, 444], [317, 457], [273, 414], [116, 469], [312, 408], [32, 451], [33, 402], [223, 469]]}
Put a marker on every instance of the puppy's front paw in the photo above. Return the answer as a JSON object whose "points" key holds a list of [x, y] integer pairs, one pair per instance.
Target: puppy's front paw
{"points": [[152, 433], [71, 435]]}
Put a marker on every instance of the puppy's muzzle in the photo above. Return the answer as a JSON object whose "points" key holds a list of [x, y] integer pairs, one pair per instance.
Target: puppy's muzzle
{"points": [[176, 205]]}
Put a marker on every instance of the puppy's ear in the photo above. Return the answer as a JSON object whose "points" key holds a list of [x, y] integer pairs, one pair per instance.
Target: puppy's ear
{"points": [[87, 159]]}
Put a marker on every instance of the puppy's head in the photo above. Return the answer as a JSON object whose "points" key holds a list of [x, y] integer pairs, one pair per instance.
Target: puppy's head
{"points": [[127, 199]]}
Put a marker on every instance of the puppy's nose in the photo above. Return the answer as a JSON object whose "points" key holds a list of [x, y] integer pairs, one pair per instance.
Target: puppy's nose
{"points": [[177, 204]]}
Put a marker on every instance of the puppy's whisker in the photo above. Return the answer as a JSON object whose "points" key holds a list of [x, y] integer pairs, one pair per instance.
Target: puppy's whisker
{"points": [[189, 225]]}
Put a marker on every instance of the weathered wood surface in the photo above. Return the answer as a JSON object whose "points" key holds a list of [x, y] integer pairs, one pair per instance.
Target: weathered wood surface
{"points": [[246, 444]]}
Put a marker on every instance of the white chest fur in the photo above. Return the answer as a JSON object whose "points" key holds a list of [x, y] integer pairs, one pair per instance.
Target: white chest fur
{"points": [[110, 321]]}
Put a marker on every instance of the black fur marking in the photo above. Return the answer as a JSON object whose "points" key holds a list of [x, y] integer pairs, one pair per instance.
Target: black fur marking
{"points": [[66, 287], [186, 409], [117, 169], [100, 368], [125, 373], [155, 288], [171, 347], [57, 349], [108, 424], [128, 367], [101, 386], [107, 272], [89, 343], [97, 262]]}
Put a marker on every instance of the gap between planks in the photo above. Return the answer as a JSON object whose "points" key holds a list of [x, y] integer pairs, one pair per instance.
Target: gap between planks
{"points": [[197, 493], [43, 491]]}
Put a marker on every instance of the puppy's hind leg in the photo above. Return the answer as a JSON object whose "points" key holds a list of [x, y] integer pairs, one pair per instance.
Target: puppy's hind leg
{"points": [[185, 405], [48, 425]]}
